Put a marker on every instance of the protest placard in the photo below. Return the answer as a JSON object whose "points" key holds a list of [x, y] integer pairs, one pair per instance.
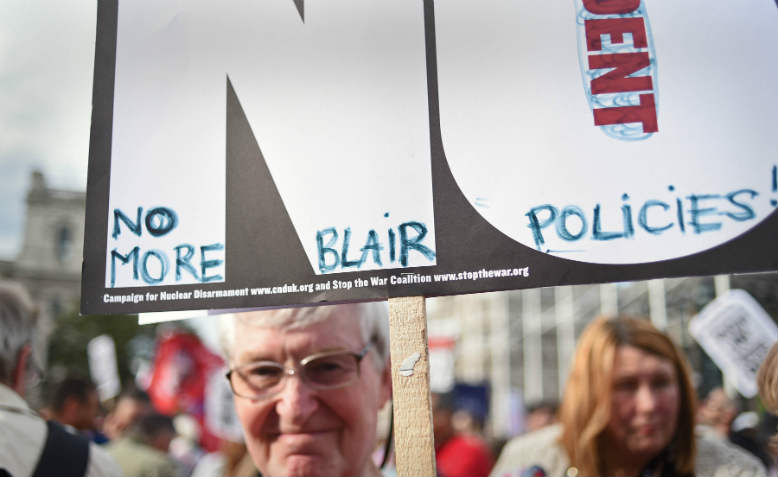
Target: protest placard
{"points": [[101, 353], [736, 332], [262, 154]]}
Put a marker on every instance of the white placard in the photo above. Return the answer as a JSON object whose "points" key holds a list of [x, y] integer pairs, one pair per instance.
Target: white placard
{"points": [[220, 416], [442, 364], [443, 335], [102, 366], [736, 333]]}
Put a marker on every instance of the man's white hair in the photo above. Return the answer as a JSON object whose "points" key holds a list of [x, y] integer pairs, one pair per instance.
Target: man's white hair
{"points": [[373, 321], [18, 318]]}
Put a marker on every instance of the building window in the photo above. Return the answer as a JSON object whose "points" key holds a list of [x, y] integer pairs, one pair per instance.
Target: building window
{"points": [[64, 242], [56, 307]]}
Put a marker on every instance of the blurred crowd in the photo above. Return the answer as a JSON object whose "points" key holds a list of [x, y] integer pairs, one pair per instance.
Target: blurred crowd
{"points": [[629, 408], [141, 440]]}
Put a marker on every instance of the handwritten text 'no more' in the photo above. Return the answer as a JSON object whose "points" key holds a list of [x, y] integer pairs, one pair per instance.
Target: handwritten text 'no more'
{"points": [[148, 265]]}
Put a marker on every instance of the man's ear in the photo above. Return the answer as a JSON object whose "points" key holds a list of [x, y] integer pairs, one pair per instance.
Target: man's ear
{"points": [[386, 383], [19, 374]]}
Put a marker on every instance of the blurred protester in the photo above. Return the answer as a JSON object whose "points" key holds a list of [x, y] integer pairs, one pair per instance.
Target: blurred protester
{"points": [[28, 444], [308, 384], [744, 432], [456, 454], [628, 409], [718, 416], [767, 380], [540, 415], [184, 448], [143, 451], [717, 411], [131, 406], [76, 404]]}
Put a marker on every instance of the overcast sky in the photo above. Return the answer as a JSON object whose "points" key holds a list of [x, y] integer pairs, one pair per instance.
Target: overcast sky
{"points": [[47, 52]]}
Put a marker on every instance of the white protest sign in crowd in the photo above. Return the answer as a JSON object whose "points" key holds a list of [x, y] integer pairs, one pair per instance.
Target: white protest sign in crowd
{"points": [[101, 352], [736, 333]]}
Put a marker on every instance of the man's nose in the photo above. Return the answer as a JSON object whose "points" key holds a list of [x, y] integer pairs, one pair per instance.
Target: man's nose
{"points": [[296, 402]]}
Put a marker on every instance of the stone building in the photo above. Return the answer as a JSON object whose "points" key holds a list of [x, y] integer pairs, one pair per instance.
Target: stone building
{"points": [[48, 263]]}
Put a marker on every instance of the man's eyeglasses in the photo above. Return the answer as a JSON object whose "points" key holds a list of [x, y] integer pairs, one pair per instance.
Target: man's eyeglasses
{"points": [[327, 370]]}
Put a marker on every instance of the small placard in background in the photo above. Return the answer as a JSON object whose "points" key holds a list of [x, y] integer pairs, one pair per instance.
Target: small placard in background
{"points": [[736, 333], [102, 366]]}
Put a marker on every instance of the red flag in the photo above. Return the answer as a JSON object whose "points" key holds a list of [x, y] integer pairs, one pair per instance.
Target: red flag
{"points": [[182, 366]]}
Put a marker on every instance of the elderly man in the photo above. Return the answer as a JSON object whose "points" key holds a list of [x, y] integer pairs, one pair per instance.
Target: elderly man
{"points": [[308, 384], [28, 444]]}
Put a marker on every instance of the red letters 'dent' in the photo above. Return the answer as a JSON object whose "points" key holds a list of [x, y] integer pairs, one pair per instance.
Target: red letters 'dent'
{"points": [[620, 65]]}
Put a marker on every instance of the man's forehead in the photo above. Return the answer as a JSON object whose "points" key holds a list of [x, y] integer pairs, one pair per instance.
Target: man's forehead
{"points": [[260, 337], [299, 318]]}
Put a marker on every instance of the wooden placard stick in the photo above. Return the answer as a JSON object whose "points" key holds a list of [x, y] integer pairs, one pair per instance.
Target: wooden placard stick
{"points": [[413, 440]]}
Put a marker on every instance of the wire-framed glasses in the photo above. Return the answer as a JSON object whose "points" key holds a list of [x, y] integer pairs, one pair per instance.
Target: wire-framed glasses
{"points": [[326, 370]]}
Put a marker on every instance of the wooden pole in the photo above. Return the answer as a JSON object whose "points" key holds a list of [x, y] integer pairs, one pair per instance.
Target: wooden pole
{"points": [[413, 440]]}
